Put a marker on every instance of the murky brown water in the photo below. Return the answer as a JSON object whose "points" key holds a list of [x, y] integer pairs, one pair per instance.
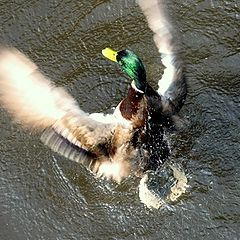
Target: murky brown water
{"points": [[44, 196]]}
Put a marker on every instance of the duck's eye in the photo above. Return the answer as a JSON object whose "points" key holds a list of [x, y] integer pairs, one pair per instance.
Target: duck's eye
{"points": [[121, 55]]}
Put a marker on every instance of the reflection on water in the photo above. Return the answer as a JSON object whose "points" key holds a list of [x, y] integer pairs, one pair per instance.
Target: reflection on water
{"points": [[44, 196]]}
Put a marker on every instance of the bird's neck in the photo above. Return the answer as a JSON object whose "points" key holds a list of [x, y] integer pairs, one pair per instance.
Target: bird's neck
{"points": [[133, 85], [139, 82]]}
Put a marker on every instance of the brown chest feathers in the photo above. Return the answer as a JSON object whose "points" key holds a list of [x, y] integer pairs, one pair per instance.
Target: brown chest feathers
{"points": [[134, 108]]}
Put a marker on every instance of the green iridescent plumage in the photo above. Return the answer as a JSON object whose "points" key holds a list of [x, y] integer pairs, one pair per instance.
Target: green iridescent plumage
{"points": [[132, 65]]}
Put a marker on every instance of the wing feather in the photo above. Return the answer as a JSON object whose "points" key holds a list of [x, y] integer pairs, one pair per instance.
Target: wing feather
{"points": [[37, 103], [172, 85], [60, 144]]}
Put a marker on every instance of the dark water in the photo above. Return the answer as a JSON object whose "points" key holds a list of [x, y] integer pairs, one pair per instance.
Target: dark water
{"points": [[44, 196]]}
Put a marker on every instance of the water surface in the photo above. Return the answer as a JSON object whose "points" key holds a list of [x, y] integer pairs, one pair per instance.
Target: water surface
{"points": [[44, 196]]}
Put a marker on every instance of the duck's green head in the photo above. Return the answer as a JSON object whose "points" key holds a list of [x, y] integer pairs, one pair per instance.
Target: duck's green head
{"points": [[131, 64]]}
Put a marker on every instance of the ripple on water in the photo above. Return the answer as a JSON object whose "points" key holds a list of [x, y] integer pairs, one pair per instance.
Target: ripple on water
{"points": [[43, 196]]}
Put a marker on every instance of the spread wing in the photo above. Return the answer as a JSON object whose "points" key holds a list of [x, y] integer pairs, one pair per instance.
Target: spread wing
{"points": [[37, 103], [172, 85]]}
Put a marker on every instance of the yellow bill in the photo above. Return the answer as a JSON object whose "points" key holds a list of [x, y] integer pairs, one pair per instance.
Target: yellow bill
{"points": [[110, 54]]}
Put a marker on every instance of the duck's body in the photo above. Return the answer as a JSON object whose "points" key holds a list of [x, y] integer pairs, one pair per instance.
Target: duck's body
{"points": [[132, 138]]}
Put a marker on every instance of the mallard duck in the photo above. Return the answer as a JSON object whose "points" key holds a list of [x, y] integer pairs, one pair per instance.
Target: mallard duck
{"points": [[132, 138]]}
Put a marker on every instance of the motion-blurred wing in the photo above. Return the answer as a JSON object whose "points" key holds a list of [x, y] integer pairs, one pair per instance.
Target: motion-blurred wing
{"points": [[172, 85], [34, 101]]}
